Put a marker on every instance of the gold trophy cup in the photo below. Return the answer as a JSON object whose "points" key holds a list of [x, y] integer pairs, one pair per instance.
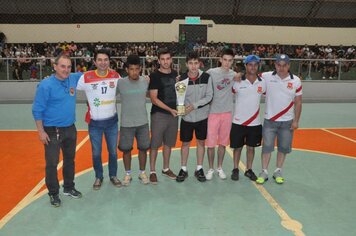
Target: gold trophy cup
{"points": [[181, 89]]}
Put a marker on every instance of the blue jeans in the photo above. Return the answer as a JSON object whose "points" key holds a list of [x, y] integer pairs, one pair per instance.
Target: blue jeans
{"points": [[111, 136], [280, 130]]}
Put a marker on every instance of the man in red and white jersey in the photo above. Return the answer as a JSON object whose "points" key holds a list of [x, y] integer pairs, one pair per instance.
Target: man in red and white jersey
{"points": [[282, 113], [100, 88], [246, 125]]}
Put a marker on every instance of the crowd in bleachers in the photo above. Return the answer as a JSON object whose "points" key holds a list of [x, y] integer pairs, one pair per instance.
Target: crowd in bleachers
{"points": [[325, 56]]}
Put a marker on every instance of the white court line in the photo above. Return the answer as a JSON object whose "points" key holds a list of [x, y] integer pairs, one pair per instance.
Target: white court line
{"points": [[28, 198], [326, 153], [287, 222], [339, 135]]}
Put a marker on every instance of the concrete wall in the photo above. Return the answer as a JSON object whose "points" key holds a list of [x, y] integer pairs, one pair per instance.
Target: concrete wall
{"points": [[313, 91], [38, 33]]}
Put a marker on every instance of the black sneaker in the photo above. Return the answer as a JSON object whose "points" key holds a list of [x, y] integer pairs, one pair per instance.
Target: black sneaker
{"points": [[182, 175], [249, 174], [73, 193], [235, 174], [55, 201], [199, 174]]}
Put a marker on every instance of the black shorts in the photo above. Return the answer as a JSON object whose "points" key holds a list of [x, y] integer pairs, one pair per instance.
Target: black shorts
{"points": [[249, 135], [187, 129]]}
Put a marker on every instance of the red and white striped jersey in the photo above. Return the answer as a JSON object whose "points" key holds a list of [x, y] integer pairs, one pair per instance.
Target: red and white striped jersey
{"points": [[100, 92], [280, 95], [247, 101]]}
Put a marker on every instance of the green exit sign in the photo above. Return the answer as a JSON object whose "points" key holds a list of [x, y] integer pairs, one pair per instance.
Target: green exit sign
{"points": [[192, 20]]}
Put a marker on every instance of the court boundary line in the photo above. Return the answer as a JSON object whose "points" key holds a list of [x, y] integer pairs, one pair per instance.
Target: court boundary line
{"points": [[286, 221], [338, 135], [28, 198], [325, 153]]}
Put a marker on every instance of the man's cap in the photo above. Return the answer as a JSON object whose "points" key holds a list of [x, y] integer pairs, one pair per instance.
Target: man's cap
{"points": [[252, 58], [282, 57]]}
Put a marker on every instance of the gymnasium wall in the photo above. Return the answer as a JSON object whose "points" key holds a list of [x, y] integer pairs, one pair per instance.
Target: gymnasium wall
{"points": [[313, 91], [38, 33]]}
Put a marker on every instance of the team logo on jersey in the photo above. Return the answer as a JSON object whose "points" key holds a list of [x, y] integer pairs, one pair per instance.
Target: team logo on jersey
{"points": [[112, 84], [96, 102], [259, 89], [94, 86], [71, 91], [223, 84], [290, 85]]}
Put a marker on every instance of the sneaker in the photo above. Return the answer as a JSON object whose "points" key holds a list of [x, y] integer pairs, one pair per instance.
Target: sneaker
{"points": [[262, 178], [97, 183], [182, 175], [210, 174], [251, 175], [153, 178], [169, 174], [127, 180], [199, 174], [73, 193], [277, 176], [55, 201], [221, 173], [235, 174], [143, 178], [115, 181]]}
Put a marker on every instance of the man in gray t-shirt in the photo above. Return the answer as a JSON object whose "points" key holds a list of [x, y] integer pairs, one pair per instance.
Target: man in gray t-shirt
{"points": [[220, 115], [134, 120]]}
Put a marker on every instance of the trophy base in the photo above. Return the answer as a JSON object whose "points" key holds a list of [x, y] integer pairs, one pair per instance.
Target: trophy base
{"points": [[180, 110]]}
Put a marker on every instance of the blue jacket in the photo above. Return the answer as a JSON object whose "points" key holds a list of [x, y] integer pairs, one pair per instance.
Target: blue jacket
{"points": [[54, 101]]}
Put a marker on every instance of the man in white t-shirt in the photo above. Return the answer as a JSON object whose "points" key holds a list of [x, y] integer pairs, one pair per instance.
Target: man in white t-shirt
{"points": [[282, 113], [246, 125]]}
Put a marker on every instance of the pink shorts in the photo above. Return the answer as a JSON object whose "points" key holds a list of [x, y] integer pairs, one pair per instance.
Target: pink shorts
{"points": [[219, 126]]}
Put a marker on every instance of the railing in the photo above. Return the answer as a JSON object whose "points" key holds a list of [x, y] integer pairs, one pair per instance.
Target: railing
{"points": [[37, 68]]}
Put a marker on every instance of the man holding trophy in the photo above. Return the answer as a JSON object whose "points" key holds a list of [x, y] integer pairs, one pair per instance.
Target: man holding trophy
{"points": [[164, 120], [194, 94]]}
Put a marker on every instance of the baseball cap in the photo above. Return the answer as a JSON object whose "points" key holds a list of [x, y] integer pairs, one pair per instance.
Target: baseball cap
{"points": [[282, 57], [252, 58]]}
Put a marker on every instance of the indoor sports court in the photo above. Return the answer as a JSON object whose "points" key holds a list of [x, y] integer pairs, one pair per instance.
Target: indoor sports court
{"points": [[318, 195]]}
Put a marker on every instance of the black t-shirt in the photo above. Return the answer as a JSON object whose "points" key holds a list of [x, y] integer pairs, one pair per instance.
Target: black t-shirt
{"points": [[165, 84]]}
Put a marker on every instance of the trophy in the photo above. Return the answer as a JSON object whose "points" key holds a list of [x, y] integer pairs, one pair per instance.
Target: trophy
{"points": [[181, 88]]}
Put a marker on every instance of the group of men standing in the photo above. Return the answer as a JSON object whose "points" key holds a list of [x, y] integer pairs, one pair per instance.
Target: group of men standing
{"points": [[209, 114]]}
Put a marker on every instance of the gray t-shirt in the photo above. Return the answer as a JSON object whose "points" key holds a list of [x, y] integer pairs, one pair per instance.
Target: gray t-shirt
{"points": [[133, 101], [222, 82]]}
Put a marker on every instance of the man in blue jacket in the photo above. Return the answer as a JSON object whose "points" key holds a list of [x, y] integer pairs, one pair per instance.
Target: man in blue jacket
{"points": [[54, 113]]}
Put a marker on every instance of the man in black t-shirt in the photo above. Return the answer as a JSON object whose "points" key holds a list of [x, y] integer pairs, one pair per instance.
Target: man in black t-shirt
{"points": [[164, 120]]}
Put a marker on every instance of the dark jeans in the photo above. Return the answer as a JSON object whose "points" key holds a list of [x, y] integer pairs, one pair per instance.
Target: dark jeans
{"points": [[64, 138], [96, 138]]}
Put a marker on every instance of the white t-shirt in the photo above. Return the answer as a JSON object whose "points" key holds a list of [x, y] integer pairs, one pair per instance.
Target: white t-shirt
{"points": [[100, 92], [280, 95], [247, 101]]}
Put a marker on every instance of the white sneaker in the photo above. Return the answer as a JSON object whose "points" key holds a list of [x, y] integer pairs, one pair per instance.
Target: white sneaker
{"points": [[127, 180], [143, 178], [210, 174], [221, 173]]}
